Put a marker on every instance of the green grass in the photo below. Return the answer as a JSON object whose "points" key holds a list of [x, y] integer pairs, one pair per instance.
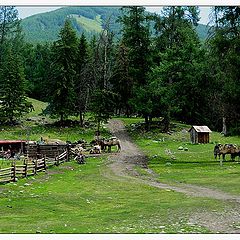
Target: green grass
{"points": [[73, 198], [90, 25], [195, 166], [38, 107], [76, 198]]}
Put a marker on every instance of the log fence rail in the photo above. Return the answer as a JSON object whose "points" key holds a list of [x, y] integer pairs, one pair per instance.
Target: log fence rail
{"points": [[11, 174]]}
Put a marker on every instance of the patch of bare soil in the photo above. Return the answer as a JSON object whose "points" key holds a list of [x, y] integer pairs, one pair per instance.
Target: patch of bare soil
{"points": [[121, 167]]}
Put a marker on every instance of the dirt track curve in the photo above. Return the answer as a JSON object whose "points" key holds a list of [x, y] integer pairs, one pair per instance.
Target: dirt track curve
{"points": [[122, 167]]}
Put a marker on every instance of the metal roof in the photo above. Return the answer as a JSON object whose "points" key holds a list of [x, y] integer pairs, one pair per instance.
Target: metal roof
{"points": [[201, 129], [11, 141]]}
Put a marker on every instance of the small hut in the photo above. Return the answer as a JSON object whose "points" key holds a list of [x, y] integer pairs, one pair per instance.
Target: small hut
{"points": [[199, 134], [13, 145]]}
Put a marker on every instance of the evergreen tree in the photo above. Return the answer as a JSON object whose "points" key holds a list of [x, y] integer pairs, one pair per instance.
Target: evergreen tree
{"points": [[177, 75], [81, 83], [102, 61], [12, 82], [12, 95], [224, 46], [136, 37], [63, 74], [37, 61], [8, 22], [122, 82]]}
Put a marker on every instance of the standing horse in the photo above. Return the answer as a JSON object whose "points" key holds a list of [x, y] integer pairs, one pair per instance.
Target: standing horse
{"points": [[112, 142], [232, 149]]}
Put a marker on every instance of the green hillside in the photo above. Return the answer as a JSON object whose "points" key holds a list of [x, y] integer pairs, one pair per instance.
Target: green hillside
{"points": [[45, 27]]}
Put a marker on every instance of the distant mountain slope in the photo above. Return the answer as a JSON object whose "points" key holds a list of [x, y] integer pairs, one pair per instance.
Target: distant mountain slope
{"points": [[45, 27]]}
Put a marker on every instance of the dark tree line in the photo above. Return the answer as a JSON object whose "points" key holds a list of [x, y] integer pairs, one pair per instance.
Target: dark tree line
{"points": [[157, 68]]}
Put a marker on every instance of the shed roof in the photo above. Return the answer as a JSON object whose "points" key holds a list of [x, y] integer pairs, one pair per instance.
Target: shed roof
{"points": [[11, 141], [204, 129]]}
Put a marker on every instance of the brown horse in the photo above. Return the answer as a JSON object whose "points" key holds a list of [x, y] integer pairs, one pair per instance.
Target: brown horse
{"points": [[232, 149], [107, 143], [112, 142]]}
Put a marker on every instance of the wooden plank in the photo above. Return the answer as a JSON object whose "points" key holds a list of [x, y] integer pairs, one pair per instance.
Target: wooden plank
{"points": [[30, 174], [20, 169], [31, 164], [6, 169], [20, 166], [5, 174], [40, 170], [6, 180]]}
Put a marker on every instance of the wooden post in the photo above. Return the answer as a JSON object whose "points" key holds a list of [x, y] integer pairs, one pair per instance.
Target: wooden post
{"points": [[57, 159], [36, 164], [68, 150], [45, 166], [14, 171], [25, 174]]}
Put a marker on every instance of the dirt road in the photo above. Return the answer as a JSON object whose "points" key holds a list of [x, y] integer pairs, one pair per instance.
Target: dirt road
{"points": [[122, 167]]}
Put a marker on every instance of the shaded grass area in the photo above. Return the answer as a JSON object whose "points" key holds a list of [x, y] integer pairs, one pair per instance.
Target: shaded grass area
{"points": [[194, 166], [42, 126], [76, 198]]}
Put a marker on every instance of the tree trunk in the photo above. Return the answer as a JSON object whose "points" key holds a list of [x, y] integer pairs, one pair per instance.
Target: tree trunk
{"points": [[166, 121], [81, 118], [146, 122], [224, 129]]}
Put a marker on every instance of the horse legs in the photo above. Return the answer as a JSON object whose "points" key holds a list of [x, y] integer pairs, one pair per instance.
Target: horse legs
{"points": [[119, 147], [109, 149]]}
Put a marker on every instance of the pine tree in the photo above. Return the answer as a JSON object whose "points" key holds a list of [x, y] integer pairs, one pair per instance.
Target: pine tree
{"points": [[122, 82], [136, 37], [178, 65], [62, 102], [12, 95], [81, 81], [102, 67], [224, 46]]}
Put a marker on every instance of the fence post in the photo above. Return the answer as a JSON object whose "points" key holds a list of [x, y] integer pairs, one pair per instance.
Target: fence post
{"points": [[36, 163], [68, 149], [14, 171], [44, 160], [57, 161], [25, 174]]}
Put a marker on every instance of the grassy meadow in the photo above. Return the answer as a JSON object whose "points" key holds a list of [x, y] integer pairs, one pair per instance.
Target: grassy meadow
{"points": [[194, 166], [73, 198]]}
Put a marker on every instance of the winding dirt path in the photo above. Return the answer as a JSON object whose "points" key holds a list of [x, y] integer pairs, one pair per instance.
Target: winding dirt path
{"points": [[122, 167]]}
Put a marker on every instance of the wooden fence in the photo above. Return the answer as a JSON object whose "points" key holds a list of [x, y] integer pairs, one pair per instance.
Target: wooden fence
{"points": [[36, 151], [15, 172]]}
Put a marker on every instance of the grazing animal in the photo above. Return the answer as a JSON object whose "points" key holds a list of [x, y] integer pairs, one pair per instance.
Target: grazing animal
{"points": [[232, 149], [95, 150], [112, 142], [77, 149]]}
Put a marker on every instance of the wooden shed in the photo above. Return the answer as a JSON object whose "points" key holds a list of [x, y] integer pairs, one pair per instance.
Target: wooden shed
{"points": [[199, 134], [14, 145]]}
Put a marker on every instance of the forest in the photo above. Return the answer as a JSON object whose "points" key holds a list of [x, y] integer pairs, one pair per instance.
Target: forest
{"points": [[162, 72]]}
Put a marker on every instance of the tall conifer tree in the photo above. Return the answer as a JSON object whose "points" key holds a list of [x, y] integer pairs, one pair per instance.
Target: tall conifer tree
{"points": [[62, 74]]}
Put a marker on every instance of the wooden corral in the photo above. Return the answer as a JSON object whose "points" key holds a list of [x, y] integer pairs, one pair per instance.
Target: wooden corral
{"points": [[199, 134], [14, 145], [29, 168], [36, 151]]}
